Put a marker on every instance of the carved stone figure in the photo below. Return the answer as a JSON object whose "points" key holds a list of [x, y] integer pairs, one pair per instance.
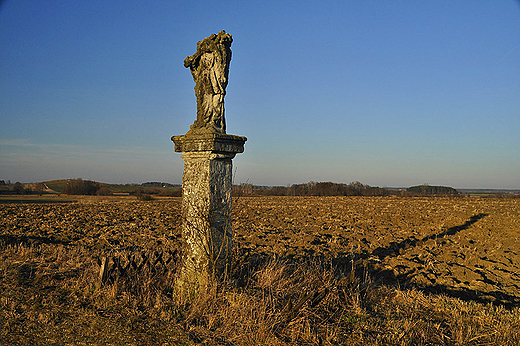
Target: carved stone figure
{"points": [[209, 67]]}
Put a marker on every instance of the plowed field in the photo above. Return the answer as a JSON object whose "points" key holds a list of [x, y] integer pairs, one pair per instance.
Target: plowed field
{"points": [[467, 247]]}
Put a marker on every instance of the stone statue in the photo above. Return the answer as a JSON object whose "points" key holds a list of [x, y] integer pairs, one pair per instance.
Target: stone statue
{"points": [[207, 182], [210, 67]]}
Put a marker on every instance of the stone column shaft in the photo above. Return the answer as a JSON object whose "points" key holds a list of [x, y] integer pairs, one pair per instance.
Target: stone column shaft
{"points": [[206, 203]]}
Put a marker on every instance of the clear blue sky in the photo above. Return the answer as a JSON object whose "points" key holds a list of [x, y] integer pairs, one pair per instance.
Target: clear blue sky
{"points": [[389, 93]]}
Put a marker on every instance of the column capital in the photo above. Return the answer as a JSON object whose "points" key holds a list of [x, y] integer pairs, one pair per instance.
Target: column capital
{"points": [[213, 142]]}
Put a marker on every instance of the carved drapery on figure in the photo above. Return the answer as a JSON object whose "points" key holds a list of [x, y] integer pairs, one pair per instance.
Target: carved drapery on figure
{"points": [[209, 67]]}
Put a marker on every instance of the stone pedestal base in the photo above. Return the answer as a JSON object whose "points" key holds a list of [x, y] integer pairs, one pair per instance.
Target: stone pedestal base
{"points": [[206, 203]]}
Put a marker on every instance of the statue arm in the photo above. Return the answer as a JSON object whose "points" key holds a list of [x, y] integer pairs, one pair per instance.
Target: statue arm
{"points": [[192, 60]]}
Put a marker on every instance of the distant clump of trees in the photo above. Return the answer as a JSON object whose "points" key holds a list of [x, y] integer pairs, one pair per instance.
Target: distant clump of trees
{"points": [[81, 187], [157, 184], [19, 189], [430, 190], [6, 188]]}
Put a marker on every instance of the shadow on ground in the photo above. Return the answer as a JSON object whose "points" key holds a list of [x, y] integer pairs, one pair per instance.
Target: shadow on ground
{"points": [[399, 248], [371, 263], [8, 239]]}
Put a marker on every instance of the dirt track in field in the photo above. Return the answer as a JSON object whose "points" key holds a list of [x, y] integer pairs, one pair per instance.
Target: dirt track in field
{"points": [[467, 247]]}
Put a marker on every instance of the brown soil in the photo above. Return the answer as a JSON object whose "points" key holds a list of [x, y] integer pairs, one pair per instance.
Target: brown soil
{"points": [[467, 247], [99, 224]]}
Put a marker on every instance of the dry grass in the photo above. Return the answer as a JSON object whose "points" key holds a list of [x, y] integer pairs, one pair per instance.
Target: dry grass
{"points": [[51, 295]]}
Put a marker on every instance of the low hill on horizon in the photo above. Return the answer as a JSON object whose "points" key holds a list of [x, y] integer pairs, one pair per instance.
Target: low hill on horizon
{"points": [[79, 186]]}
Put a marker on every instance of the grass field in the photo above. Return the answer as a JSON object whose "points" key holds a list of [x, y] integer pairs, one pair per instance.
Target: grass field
{"points": [[307, 271]]}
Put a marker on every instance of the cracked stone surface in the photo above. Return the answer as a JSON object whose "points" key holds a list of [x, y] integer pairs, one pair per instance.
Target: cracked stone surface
{"points": [[206, 202]]}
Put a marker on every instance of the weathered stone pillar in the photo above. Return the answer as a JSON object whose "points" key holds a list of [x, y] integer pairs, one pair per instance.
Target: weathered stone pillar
{"points": [[207, 181], [206, 203]]}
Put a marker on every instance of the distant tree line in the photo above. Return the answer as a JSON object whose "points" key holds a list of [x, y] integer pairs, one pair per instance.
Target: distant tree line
{"points": [[340, 189], [88, 187], [312, 189], [429, 190], [175, 191], [151, 184]]}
